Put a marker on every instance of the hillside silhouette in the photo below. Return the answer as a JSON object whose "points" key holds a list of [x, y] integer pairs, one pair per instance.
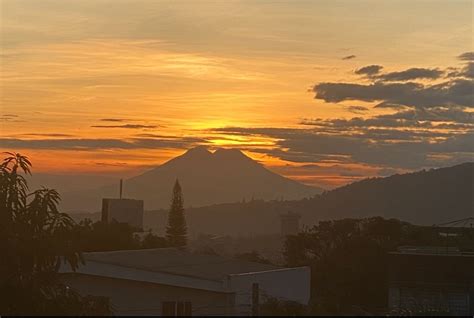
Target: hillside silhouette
{"points": [[226, 175], [424, 197]]}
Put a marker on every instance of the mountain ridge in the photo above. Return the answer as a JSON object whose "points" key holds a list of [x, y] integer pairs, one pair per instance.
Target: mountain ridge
{"points": [[435, 196], [222, 176]]}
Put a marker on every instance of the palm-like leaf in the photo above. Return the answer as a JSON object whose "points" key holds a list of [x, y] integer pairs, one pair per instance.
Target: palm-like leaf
{"points": [[37, 238]]}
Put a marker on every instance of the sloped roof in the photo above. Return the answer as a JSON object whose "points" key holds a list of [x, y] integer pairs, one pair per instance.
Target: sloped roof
{"points": [[178, 262]]}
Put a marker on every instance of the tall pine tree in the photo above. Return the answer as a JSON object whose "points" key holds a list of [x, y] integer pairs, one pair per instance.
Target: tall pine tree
{"points": [[176, 232]]}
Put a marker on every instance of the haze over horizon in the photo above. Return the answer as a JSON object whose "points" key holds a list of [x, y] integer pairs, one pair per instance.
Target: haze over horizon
{"points": [[325, 92], [207, 178]]}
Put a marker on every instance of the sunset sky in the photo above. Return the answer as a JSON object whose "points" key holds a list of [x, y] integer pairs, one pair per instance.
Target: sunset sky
{"points": [[325, 92]]}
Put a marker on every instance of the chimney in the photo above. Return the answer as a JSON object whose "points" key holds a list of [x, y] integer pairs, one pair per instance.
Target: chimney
{"points": [[121, 188]]}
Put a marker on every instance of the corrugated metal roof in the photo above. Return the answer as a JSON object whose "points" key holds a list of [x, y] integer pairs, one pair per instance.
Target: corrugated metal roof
{"points": [[178, 262]]}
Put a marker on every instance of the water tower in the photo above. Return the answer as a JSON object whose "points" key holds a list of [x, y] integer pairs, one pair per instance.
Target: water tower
{"points": [[123, 210]]}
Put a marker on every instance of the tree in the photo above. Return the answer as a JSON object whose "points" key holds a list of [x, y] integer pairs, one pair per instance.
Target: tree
{"points": [[252, 256], [34, 239], [349, 262], [176, 230]]}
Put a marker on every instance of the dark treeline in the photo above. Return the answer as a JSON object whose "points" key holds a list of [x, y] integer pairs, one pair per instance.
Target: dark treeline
{"points": [[425, 197], [100, 236], [348, 260]]}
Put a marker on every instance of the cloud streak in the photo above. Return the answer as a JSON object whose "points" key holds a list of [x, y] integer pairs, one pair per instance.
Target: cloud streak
{"points": [[411, 74], [369, 70], [349, 57], [126, 126], [467, 56], [98, 144]]}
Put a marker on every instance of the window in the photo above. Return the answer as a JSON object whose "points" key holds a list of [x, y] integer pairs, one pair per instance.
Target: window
{"points": [[176, 308]]}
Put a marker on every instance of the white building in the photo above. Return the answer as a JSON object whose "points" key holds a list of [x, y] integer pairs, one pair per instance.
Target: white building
{"points": [[168, 281]]}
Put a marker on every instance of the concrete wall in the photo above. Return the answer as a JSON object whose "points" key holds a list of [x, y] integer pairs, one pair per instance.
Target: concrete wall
{"points": [[444, 299], [285, 284], [139, 298], [435, 281]]}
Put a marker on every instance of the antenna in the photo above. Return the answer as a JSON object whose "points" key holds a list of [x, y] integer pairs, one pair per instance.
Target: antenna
{"points": [[121, 188]]}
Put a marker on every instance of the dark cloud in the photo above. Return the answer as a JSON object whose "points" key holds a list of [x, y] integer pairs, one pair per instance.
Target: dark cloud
{"points": [[96, 144], [357, 109], [47, 135], [369, 70], [111, 164], [467, 56], [468, 70], [308, 145], [432, 124], [163, 137], [407, 125], [9, 118], [457, 92], [113, 119], [438, 114], [126, 126], [349, 57], [397, 89], [411, 74]]}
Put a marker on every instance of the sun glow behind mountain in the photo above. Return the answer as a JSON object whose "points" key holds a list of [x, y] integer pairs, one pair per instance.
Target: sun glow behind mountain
{"points": [[114, 88]]}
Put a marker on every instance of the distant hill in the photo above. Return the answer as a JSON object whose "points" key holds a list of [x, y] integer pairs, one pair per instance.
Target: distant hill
{"points": [[424, 197], [226, 175]]}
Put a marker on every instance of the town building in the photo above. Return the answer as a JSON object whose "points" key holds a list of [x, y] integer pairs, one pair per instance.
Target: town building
{"points": [[128, 211], [169, 281], [431, 280], [122, 210]]}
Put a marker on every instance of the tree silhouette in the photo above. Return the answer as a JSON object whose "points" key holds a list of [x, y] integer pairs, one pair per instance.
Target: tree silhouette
{"points": [[34, 239], [176, 230]]}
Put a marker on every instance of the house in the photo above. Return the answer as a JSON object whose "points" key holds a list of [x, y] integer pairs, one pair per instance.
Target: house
{"points": [[427, 279], [168, 281]]}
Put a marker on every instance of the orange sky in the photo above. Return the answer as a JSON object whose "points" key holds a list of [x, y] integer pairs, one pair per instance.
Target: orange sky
{"points": [[164, 75]]}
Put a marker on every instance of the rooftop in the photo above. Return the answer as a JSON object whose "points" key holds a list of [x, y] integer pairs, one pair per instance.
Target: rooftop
{"points": [[178, 262], [432, 250]]}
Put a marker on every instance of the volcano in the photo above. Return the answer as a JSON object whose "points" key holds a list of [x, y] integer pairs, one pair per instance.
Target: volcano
{"points": [[222, 176]]}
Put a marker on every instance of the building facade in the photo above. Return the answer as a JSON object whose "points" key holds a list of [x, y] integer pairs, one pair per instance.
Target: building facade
{"points": [[428, 280], [128, 211], [173, 282]]}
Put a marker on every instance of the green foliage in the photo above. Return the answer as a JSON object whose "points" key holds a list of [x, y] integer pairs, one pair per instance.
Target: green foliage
{"points": [[35, 238], [176, 230]]}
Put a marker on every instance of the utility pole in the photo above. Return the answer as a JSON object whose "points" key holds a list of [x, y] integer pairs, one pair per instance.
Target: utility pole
{"points": [[255, 299]]}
